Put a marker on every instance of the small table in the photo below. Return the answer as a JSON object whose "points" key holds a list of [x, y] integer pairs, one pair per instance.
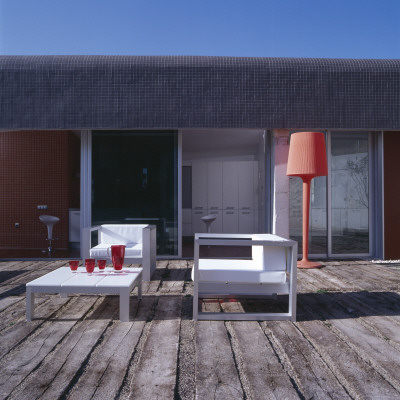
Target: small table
{"points": [[64, 281]]}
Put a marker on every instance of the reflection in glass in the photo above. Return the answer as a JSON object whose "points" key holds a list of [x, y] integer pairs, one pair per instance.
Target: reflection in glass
{"points": [[135, 182], [350, 194]]}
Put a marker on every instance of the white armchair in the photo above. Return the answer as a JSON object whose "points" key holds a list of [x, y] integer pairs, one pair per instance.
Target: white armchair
{"points": [[272, 270], [140, 242]]}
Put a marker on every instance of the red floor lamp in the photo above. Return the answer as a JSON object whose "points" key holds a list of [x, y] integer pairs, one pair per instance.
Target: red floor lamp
{"points": [[307, 159]]}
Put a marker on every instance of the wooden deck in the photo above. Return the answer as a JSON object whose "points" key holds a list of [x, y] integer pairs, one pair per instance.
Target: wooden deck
{"points": [[345, 345]]}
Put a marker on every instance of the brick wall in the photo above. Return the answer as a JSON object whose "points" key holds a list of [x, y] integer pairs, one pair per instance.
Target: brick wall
{"points": [[391, 194], [37, 168]]}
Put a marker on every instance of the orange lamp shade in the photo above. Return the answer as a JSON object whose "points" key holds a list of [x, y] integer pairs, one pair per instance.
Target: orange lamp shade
{"points": [[307, 155]]}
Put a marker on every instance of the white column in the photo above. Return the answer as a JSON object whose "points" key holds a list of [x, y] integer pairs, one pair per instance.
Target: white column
{"points": [[86, 183], [280, 223]]}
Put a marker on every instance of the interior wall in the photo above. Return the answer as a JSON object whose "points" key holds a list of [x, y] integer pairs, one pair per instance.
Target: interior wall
{"points": [[37, 168], [391, 142]]}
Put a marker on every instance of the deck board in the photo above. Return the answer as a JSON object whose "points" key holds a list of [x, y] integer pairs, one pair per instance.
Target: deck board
{"points": [[345, 343]]}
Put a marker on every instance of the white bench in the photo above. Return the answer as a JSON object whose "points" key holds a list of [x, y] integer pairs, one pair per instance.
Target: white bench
{"points": [[64, 281], [271, 270], [140, 242]]}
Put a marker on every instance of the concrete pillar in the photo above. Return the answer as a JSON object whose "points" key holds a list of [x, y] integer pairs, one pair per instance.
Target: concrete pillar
{"points": [[280, 217]]}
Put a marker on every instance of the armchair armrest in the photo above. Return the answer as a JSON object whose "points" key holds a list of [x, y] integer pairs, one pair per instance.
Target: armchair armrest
{"points": [[149, 251], [86, 240]]}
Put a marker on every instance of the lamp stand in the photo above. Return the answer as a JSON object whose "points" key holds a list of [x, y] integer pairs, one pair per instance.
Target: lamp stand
{"points": [[305, 262]]}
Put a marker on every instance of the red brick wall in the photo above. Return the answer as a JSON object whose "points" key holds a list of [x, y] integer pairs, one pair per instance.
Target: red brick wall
{"points": [[37, 168], [392, 194]]}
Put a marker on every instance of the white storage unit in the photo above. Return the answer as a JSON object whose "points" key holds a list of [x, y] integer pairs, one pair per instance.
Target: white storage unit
{"points": [[199, 185], [230, 185], [197, 224], [228, 189], [230, 222], [214, 186], [247, 221]]}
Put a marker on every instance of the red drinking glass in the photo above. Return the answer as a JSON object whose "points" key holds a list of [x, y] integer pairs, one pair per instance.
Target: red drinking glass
{"points": [[117, 256], [101, 263], [73, 264], [89, 264]]}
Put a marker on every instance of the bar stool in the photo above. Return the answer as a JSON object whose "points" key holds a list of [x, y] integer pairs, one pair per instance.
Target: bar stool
{"points": [[49, 221]]}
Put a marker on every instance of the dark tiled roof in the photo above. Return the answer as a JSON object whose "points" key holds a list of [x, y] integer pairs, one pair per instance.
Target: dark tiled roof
{"points": [[77, 92]]}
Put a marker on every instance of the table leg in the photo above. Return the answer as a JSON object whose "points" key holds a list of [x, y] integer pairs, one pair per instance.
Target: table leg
{"points": [[30, 304], [124, 296]]}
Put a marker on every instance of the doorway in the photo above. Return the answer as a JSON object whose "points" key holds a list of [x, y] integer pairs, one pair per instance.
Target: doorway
{"points": [[224, 175]]}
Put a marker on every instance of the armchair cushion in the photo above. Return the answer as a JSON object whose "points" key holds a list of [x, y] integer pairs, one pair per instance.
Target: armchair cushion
{"points": [[132, 250], [121, 234], [239, 271]]}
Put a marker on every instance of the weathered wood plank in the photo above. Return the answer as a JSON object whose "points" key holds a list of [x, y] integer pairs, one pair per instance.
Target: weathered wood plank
{"points": [[155, 376], [152, 286], [262, 374], [313, 377], [174, 278], [54, 375], [18, 329], [372, 348], [7, 302], [108, 365], [19, 363], [358, 377], [217, 376]]}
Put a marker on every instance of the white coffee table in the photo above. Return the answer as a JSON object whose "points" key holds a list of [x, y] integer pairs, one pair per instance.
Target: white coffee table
{"points": [[64, 281]]}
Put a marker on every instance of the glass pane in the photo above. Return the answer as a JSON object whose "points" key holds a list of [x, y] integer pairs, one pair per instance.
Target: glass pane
{"points": [[135, 181], [318, 221], [350, 193]]}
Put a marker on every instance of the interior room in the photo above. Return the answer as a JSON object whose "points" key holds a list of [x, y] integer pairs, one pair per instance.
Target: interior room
{"points": [[223, 175]]}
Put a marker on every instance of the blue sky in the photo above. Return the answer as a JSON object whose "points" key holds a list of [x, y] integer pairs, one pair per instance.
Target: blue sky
{"points": [[249, 28]]}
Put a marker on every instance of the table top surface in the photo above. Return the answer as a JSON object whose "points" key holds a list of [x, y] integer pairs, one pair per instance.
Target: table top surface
{"points": [[64, 277]]}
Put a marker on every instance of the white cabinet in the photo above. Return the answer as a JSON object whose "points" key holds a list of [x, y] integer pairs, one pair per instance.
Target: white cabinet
{"points": [[217, 226], [246, 185], [214, 186], [198, 226], [230, 185], [230, 222], [228, 189], [199, 185], [247, 221]]}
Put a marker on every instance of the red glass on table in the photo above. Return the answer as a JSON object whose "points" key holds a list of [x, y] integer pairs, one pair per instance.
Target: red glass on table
{"points": [[101, 264], [117, 256], [89, 264], [73, 264]]}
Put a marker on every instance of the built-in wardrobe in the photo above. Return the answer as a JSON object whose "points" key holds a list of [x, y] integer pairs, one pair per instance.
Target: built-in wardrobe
{"points": [[228, 189]]}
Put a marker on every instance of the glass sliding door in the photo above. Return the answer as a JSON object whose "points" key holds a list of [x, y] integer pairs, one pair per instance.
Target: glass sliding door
{"points": [[350, 182], [340, 210], [318, 217], [135, 181]]}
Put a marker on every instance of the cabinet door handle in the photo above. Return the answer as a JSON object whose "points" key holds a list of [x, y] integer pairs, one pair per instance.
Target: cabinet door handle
{"points": [[230, 208], [246, 212], [214, 208], [229, 212], [245, 208], [199, 212], [198, 208]]}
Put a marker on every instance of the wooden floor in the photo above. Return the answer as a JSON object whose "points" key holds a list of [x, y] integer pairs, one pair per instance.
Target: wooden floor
{"points": [[345, 344]]}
